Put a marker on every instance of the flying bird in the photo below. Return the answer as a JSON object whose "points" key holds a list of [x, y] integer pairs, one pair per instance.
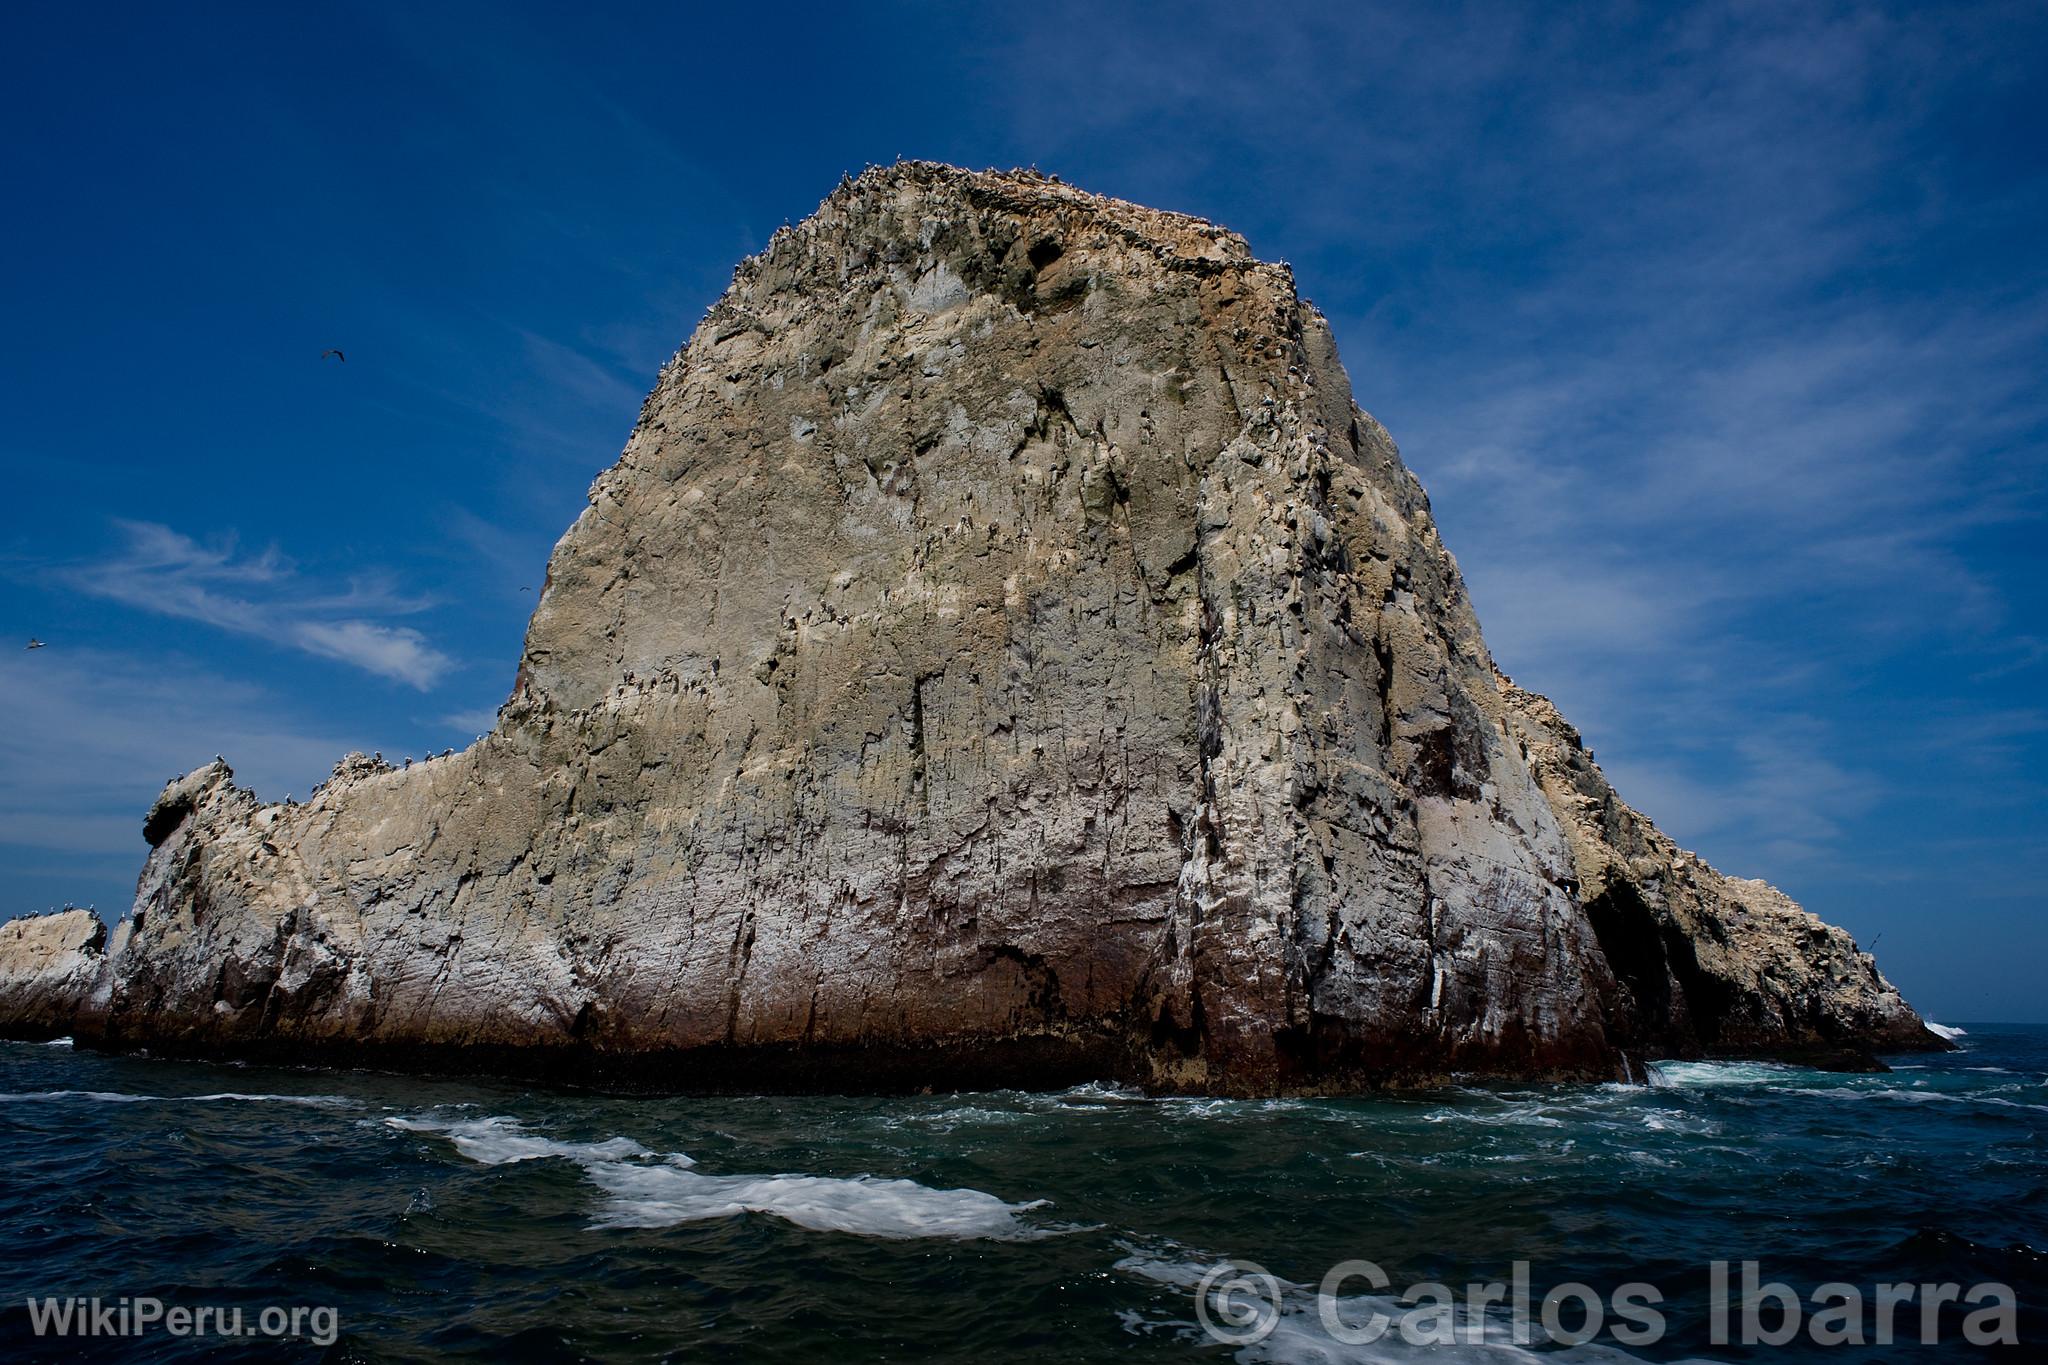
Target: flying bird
{"points": [[34, 643], [334, 351]]}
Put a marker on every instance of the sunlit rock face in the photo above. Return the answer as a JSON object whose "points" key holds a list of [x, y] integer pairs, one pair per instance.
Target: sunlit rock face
{"points": [[1004, 653], [49, 966]]}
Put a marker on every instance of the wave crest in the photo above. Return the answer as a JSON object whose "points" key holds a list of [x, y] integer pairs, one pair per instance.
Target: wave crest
{"points": [[647, 1189]]}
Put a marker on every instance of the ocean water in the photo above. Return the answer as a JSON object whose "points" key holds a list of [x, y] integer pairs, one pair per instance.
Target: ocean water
{"points": [[442, 1219]]}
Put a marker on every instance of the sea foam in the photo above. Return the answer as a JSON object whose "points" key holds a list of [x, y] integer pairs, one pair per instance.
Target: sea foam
{"points": [[121, 1097], [1697, 1075], [502, 1141], [659, 1196], [646, 1189]]}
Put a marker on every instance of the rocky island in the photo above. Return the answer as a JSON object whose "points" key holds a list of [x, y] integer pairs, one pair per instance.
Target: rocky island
{"points": [[1005, 654]]}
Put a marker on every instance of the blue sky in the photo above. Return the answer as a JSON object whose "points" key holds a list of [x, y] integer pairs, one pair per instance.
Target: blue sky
{"points": [[1717, 334]]}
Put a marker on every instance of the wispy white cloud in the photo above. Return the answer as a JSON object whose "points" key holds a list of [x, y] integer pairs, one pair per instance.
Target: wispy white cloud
{"points": [[573, 374], [91, 738], [398, 652], [163, 571]]}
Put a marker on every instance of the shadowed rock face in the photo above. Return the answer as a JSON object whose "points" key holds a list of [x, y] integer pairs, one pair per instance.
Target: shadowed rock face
{"points": [[1003, 654], [1704, 964]]}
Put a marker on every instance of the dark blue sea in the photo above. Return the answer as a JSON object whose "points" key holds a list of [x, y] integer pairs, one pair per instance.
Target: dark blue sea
{"points": [[364, 1217]]}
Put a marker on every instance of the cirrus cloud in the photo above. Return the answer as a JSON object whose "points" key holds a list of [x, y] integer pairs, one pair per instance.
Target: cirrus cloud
{"points": [[163, 571]]}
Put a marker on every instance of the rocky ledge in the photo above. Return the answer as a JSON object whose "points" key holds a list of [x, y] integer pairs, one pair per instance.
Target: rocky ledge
{"points": [[1004, 654]]}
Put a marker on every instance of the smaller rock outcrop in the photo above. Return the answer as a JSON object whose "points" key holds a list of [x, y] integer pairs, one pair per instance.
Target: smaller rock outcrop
{"points": [[1705, 965], [49, 965]]}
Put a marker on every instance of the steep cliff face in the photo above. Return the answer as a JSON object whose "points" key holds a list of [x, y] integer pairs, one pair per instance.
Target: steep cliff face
{"points": [[1004, 652]]}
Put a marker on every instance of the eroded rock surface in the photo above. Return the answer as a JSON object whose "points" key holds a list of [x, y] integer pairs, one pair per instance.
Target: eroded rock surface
{"points": [[1705, 964], [49, 965], [1004, 653]]}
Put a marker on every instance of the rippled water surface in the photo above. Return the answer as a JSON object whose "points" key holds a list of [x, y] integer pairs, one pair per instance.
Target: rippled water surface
{"points": [[447, 1219]]}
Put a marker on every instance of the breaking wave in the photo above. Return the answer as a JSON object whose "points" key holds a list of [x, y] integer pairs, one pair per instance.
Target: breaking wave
{"points": [[502, 1141], [121, 1097], [646, 1189], [1697, 1075]]}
